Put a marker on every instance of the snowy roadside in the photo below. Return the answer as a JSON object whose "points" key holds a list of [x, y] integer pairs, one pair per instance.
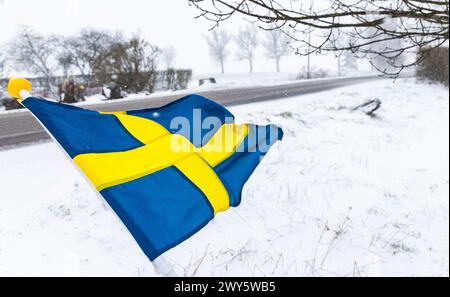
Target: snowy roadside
{"points": [[343, 194], [224, 82]]}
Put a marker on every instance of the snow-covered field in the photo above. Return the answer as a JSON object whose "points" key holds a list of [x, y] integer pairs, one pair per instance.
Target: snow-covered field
{"points": [[344, 194]]}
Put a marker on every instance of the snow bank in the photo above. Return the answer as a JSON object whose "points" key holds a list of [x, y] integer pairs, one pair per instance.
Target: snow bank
{"points": [[344, 194]]}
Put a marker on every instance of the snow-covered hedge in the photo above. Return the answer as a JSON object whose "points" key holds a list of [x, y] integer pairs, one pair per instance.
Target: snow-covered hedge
{"points": [[434, 66]]}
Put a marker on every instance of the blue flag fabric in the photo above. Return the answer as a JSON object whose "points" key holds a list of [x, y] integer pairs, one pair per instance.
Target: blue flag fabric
{"points": [[165, 171]]}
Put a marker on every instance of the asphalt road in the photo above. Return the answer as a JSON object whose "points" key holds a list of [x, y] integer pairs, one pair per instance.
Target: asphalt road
{"points": [[19, 128]]}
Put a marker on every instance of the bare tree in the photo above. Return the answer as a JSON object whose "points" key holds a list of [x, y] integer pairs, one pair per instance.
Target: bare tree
{"points": [[218, 42], [65, 61], [85, 50], [247, 41], [418, 25], [276, 45], [71, 55], [339, 63], [349, 62], [33, 53], [169, 54], [133, 62]]}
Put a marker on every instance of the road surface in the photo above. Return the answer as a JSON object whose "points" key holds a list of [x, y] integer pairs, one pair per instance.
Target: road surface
{"points": [[19, 128]]}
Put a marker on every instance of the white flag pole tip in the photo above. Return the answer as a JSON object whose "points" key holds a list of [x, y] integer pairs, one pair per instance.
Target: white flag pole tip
{"points": [[163, 267], [19, 88]]}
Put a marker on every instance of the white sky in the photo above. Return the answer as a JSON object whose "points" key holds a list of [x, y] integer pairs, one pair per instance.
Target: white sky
{"points": [[162, 22]]}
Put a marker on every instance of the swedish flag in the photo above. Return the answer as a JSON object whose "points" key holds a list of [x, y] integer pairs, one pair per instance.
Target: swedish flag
{"points": [[165, 171]]}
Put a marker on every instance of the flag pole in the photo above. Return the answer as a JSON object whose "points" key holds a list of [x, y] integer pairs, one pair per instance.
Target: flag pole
{"points": [[20, 89], [163, 267]]}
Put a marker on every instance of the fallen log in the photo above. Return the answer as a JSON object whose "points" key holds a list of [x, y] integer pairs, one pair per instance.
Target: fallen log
{"points": [[369, 107]]}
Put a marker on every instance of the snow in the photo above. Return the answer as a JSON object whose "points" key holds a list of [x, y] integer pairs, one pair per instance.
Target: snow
{"points": [[245, 79], [344, 194], [224, 81]]}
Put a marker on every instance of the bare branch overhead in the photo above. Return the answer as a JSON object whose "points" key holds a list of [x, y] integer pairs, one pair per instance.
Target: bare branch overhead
{"points": [[386, 29]]}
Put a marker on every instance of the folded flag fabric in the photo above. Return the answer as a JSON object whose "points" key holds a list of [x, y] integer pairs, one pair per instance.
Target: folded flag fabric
{"points": [[165, 171]]}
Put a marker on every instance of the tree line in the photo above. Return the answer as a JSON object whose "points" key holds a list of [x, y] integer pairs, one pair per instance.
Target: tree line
{"points": [[100, 55], [275, 44], [377, 30]]}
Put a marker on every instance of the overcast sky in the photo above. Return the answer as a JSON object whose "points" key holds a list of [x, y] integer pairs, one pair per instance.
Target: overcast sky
{"points": [[162, 22]]}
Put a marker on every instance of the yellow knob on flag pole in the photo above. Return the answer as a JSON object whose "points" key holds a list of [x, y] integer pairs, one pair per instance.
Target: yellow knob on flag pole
{"points": [[19, 88]]}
